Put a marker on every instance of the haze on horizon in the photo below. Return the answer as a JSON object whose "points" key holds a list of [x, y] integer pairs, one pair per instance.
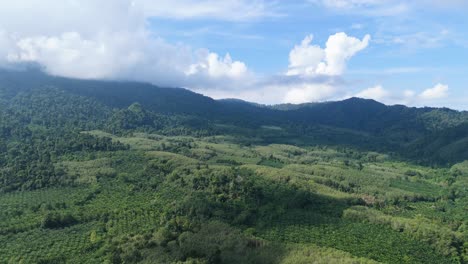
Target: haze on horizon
{"points": [[268, 52]]}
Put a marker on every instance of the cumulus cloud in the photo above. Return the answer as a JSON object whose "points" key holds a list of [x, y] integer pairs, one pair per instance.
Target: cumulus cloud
{"points": [[314, 73], [129, 56], [340, 48], [309, 92], [307, 59], [285, 89], [71, 55], [408, 97], [253, 93], [216, 67], [377, 93], [79, 40], [436, 92], [408, 94]]}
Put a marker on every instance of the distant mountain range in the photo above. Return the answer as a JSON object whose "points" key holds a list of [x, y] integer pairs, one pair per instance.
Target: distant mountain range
{"points": [[429, 135]]}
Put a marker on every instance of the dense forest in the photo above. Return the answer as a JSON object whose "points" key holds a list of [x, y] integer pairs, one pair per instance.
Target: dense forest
{"points": [[124, 172]]}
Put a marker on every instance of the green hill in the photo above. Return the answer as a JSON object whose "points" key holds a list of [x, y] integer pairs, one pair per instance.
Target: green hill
{"points": [[122, 172]]}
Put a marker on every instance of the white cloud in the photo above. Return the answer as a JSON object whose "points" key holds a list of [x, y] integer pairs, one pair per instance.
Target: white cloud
{"points": [[106, 55], [254, 93], [407, 97], [71, 55], [216, 67], [313, 73], [377, 93], [284, 89], [130, 56], [436, 92], [307, 59], [409, 94], [340, 48], [311, 68], [79, 40], [138, 56], [309, 92]]}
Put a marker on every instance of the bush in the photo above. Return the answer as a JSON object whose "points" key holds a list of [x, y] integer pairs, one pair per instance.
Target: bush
{"points": [[53, 220]]}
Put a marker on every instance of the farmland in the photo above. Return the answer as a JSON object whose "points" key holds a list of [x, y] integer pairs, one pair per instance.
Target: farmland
{"points": [[169, 198]]}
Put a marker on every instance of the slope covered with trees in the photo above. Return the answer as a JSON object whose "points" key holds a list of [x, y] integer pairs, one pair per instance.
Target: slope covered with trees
{"points": [[121, 172]]}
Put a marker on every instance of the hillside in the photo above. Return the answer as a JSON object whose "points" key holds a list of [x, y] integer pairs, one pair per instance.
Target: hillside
{"points": [[359, 123], [124, 172]]}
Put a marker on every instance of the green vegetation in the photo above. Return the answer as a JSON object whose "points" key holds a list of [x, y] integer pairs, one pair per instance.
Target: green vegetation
{"points": [[136, 177]]}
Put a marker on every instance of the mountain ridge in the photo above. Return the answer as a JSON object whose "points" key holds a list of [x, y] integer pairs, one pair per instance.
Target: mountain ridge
{"points": [[390, 128]]}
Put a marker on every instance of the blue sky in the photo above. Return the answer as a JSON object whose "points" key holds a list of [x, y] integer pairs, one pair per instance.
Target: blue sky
{"points": [[394, 51]]}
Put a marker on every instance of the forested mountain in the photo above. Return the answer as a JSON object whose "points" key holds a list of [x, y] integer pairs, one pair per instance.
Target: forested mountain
{"points": [[397, 128], [123, 172]]}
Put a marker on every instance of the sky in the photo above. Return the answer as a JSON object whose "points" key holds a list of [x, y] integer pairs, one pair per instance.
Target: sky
{"points": [[296, 51]]}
